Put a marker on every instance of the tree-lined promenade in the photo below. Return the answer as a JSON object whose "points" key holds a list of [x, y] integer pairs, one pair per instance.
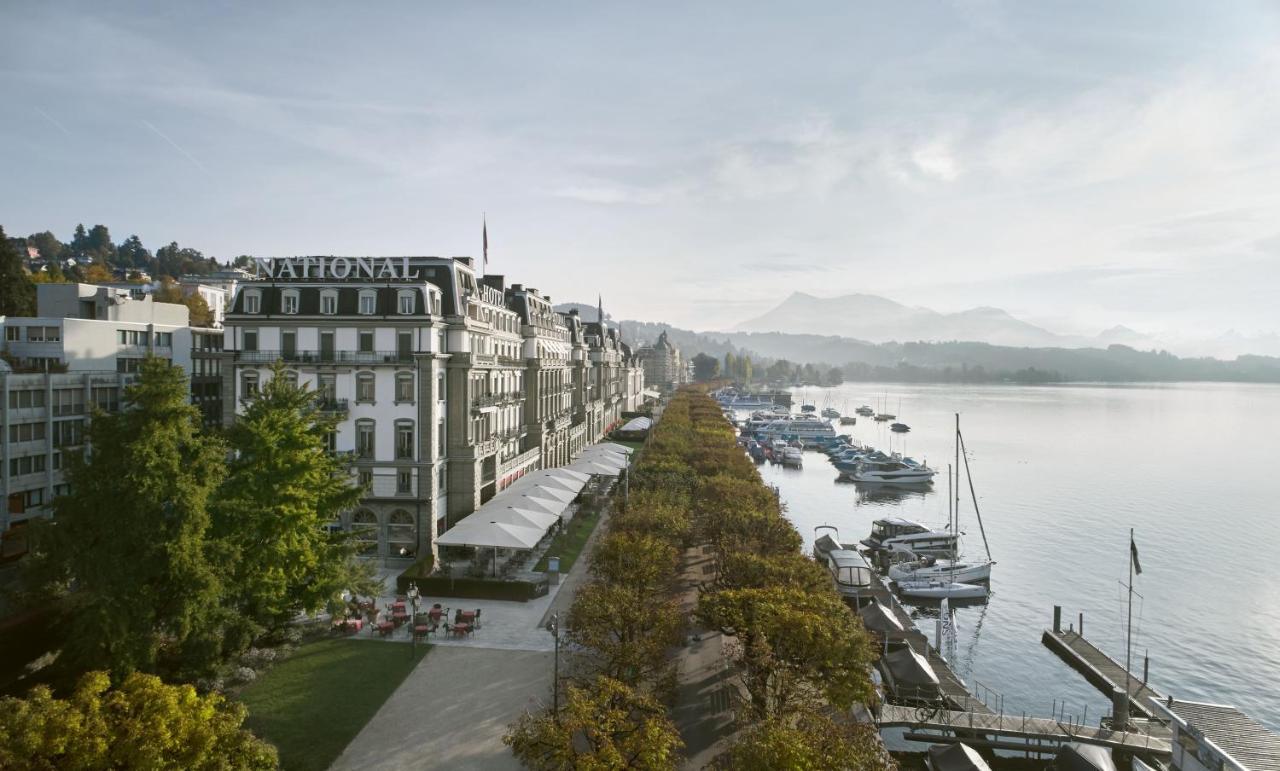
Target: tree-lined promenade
{"points": [[804, 658]]}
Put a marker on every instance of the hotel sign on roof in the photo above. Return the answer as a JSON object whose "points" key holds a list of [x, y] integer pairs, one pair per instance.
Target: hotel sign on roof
{"points": [[344, 268]]}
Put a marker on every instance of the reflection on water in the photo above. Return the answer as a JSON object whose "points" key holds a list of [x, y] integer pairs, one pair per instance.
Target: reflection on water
{"points": [[1061, 474]]}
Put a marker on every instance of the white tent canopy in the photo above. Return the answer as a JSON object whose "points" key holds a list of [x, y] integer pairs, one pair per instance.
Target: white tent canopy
{"points": [[483, 532], [605, 456], [637, 424]]}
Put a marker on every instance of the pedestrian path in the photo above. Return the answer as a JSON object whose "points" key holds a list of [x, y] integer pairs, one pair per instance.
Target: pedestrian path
{"points": [[451, 712]]}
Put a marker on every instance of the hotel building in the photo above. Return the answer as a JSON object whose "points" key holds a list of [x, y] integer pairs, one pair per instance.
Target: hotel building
{"points": [[448, 385]]}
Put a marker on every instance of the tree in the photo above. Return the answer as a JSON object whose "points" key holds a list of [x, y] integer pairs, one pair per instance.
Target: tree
{"points": [[17, 294], [133, 254], [799, 649], [747, 369], [98, 273], [130, 536], [705, 367], [282, 488], [638, 560], [808, 741], [51, 275], [198, 310], [605, 725], [835, 376], [50, 248], [142, 724], [627, 631]]}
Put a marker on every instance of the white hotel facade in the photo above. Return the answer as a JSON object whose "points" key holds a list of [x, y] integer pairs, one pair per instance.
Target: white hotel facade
{"points": [[448, 385]]}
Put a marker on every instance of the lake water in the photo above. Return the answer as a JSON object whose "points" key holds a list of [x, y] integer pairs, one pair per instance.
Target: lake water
{"points": [[1062, 473]]}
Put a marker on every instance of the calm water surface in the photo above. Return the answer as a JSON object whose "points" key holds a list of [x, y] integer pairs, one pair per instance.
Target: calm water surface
{"points": [[1062, 473]]}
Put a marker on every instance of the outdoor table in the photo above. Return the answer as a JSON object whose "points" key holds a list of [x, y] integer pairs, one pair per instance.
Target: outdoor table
{"points": [[386, 627], [460, 630], [399, 617], [421, 630], [468, 615], [435, 614], [354, 624]]}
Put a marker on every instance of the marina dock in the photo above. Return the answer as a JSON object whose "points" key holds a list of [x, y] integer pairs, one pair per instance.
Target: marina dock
{"points": [[1103, 672], [1154, 741], [952, 688]]}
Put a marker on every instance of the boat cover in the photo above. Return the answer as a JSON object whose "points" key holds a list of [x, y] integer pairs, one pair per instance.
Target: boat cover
{"points": [[956, 757], [1083, 757], [878, 618], [910, 668]]}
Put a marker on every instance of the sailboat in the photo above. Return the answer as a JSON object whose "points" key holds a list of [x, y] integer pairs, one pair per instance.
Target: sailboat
{"points": [[955, 579]]}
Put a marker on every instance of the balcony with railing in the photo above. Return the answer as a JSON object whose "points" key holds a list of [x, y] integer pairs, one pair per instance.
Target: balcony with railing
{"points": [[333, 406], [511, 361], [325, 357]]}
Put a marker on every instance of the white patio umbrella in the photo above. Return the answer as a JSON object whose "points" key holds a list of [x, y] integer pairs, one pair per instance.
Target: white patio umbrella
{"points": [[522, 517], [587, 466], [606, 458], [489, 532], [542, 490], [549, 505]]}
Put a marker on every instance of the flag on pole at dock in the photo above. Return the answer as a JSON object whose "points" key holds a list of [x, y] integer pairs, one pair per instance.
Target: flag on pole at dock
{"points": [[1133, 553]]}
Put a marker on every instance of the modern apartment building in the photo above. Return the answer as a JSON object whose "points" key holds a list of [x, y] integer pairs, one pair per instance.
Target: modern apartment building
{"points": [[449, 385], [80, 352]]}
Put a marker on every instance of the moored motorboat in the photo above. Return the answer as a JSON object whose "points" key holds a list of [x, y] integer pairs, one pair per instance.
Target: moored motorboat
{"points": [[849, 570], [899, 428], [893, 471], [865, 411], [897, 534], [848, 420], [792, 456], [830, 412]]}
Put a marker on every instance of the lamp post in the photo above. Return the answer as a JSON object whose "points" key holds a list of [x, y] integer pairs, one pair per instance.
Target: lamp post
{"points": [[413, 619], [553, 626]]}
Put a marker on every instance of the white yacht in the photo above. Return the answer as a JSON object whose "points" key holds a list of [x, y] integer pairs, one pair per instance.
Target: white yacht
{"points": [[891, 471], [930, 569], [896, 534]]}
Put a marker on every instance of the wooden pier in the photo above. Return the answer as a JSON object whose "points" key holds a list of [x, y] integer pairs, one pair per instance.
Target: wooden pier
{"points": [[1103, 672], [1155, 741]]}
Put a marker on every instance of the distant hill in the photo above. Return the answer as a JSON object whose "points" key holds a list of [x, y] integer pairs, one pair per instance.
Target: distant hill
{"points": [[881, 320], [954, 361]]}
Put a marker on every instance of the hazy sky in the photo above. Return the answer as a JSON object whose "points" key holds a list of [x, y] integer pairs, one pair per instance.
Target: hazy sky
{"points": [[1079, 164]]}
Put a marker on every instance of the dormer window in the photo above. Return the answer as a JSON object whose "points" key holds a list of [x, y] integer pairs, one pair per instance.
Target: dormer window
{"points": [[329, 302], [289, 302], [368, 302], [253, 301], [405, 302]]}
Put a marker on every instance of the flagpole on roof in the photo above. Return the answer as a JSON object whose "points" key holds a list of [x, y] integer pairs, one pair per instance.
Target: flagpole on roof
{"points": [[484, 231]]}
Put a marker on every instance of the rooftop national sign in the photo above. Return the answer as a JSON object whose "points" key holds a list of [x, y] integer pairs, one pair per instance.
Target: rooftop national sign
{"points": [[341, 268]]}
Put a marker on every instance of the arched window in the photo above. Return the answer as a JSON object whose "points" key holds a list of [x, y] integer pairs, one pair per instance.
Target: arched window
{"points": [[364, 531], [402, 538], [404, 387], [364, 387]]}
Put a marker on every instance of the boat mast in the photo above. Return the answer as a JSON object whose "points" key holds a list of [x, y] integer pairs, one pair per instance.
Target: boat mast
{"points": [[1128, 646], [972, 494]]}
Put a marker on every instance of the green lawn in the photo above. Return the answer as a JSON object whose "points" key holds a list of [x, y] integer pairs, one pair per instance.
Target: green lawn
{"points": [[567, 545], [314, 703]]}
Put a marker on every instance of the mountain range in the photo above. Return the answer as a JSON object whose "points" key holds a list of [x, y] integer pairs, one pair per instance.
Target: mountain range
{"points": [[880, 320]]}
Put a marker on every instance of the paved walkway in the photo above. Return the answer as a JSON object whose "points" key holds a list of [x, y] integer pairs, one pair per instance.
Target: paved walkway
{"points": [[705, 688], [452, 711]]}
